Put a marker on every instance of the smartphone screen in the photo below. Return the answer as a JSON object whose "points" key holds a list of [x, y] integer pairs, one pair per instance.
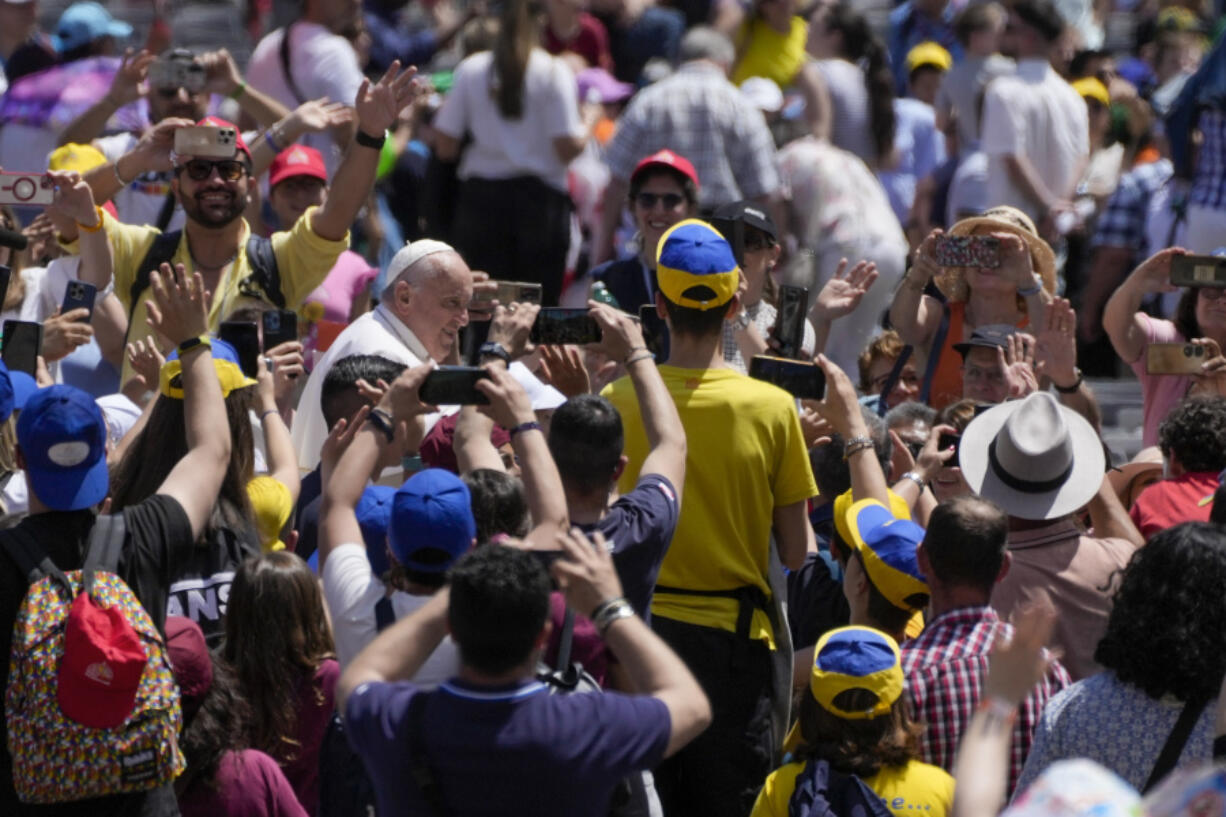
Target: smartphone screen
{"points": [[22, 341], [789, 328], [280, 326], [967, 251], [454, 386], [1198, 271], [556, 325], [655, 332], [244, 336], [79, 295], [797, 377], [947, 441]]}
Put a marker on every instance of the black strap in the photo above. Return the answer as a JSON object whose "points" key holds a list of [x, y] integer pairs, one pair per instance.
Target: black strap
{"points": [[32, 560], [1173, 748], [566, 639], [105, 547], [934, 354], [748, 598], [285, 65], [161, 251], [385, 614], [167, 212], [891, 379], [419, 764]]}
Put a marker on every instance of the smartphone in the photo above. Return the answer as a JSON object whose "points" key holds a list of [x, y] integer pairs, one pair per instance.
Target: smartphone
{"points": [[79, 295], [789, 328], [655, 332], [967, 251], [1198, 271], [797, 377], [510, 292], [31, 189], [947, 441], [244, 336], [555, 325], [206, 142], [454, 386], [280, 326], [177, 74], [22, 341], [1174, 358], [5, 274]]}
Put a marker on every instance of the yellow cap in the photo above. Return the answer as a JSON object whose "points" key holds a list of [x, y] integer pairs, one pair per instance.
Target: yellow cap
{"points": [[843, 503], [229, 375], [271, 505], [1092, 88], [75, 156], [929, 53]]}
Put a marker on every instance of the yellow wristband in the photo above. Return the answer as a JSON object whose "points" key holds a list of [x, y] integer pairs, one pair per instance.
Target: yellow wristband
{"points": [[97, 226]]}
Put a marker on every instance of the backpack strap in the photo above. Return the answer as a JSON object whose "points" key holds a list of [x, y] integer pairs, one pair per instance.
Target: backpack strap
{"points": [[1173, 748], [161, 251], [106, 541], [385, 614], [891, 379], [31, 558], [285, 66], [934, 354], [264, 282], [566, 639], [167, 212], [419, 764]]}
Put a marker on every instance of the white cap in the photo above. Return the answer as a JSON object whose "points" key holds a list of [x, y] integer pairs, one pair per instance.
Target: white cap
{"points": [[412, 252], [543, 396], [763, 94]]}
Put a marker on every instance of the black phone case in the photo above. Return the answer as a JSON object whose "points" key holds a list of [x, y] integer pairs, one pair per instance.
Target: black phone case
{"points": [[285, 331], [789, 328], [453, 386], [21, 344]]}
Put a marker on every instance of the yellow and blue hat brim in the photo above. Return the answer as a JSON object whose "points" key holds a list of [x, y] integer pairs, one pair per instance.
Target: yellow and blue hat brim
{"points": [[692, 253], [229, 375], [843, 502], [886, 545]]}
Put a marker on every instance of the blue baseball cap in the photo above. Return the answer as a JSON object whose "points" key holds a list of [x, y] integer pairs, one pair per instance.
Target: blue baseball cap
{"points": [[82, 23], [432, 521], [62, 435], [24, 387], [691, 254], [8, 401], [374, 512]]}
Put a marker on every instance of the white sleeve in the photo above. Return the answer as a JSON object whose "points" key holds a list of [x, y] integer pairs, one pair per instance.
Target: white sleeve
{"points": [[334, 71], [1002, 133], [351, 590], [452, 117], [563, 106]]}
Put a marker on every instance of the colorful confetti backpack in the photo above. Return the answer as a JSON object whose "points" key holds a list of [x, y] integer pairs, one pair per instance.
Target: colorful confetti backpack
{"points": [[92, 706]]}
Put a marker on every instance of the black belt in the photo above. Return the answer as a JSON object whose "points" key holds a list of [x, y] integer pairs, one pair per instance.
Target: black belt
{"points": [[748, 598]]}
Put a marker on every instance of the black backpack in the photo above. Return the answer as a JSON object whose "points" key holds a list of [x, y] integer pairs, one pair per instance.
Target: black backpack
{"points": [[263, 283]]}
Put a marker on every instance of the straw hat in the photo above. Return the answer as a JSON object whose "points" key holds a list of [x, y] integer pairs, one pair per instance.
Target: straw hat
{"points": [[952, 280]]}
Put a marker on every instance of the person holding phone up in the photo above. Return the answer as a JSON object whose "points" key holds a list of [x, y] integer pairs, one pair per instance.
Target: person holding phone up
{"points": [[215, 191], [1200, 319]]}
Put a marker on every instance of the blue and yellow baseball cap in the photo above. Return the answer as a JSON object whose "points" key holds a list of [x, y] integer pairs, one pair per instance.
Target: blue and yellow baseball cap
{"points": [[850, 658], [886, 545], [843, 503], [225, 361], [693, 254]]}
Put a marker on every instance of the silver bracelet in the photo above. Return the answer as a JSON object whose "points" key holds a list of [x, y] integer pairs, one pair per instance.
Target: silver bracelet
{"points": [[914, 477], [609, 612]]}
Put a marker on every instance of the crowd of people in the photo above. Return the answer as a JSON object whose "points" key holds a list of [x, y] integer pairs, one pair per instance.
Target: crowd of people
{"points": [[636, 407]]}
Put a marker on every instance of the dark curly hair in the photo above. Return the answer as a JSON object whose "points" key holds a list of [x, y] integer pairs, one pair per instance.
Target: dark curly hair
{"points": [[859, 747], [1167, 629], [1195, 433], [219, 726]]}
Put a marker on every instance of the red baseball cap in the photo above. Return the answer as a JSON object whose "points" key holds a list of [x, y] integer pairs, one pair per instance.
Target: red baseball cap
{"points": [[666, 158], [297, 160], [190, 660], [218, 122], [102, 665]]}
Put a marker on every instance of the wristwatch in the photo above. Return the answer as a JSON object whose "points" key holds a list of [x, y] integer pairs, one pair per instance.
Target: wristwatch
{"points": [[1076, 383], [742, 320], [495, 349], [191, 343]]}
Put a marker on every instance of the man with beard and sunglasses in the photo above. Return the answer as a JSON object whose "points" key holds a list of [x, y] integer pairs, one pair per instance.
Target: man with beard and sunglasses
{"points": [[213, 194], [176, 84]]}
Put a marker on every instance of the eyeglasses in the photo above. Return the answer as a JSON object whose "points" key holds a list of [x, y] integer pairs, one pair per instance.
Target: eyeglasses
{"points": [[228, 169], [1212, 293], [671, 201], [908, 378]]}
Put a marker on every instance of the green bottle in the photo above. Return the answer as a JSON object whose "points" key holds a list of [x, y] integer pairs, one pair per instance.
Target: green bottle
{"points": [[601, 294]]}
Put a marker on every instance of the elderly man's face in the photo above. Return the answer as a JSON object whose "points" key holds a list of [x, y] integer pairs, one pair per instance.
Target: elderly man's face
{"points": [[983, 378], [437, 307]]}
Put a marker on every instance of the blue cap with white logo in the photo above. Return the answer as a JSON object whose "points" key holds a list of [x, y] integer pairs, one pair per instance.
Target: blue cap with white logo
{"points": [[62, 436]]}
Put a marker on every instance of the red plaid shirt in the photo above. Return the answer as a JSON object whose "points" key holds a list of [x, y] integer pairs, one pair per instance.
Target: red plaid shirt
{"points": [[945, 668]]}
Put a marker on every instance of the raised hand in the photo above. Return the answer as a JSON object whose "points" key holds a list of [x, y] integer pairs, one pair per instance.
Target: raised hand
{"points": [[620, 333], [154, 148], [379, 104], [1017, 362], [146, 360], [73, 198], [562, 367], [1020, 662], [320, 114], [841, 405], [1015, 260], [509, 405], [221, 72], [179, 308], [1056, 346], [1155, 272], [1212, 379], [129, 82], [924, 266], [402, 400], [585, 574], [842, 293], [511, 326], [64, 333]]}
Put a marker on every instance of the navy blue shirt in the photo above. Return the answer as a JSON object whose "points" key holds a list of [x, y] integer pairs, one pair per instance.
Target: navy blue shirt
{"points": [[506, 750], [640, 526], [627, 281]]}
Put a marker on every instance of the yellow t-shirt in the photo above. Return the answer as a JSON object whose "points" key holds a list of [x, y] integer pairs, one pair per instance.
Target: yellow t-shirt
{"points": [[910, 790], [303, 260], [746, 457], [767, 53]]}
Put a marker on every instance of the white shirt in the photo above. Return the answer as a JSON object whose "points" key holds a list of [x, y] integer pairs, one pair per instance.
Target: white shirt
{"points": [[506, 148], [378, 332], [1036, 114], [351, 590], [141, 201], [323, 64]]}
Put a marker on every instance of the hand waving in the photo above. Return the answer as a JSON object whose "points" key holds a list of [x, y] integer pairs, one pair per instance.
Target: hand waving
{"points": [[1056, 345], [129, 82], [178, 309], [379, 104], [842, 293]]}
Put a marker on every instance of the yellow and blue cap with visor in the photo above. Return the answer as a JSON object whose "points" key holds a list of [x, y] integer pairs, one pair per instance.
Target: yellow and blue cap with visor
{"points": [[887, 546], [225, 361], [850, 658], [694, 254]]}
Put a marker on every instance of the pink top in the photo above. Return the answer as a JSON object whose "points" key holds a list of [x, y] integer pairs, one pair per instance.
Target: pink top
{"points": [[247, 784], [1160, 391], [345, 284]]}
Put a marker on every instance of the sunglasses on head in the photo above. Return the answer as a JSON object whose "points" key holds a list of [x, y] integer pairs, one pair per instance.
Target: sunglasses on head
{"points": [[230, 170], [670, 200]]}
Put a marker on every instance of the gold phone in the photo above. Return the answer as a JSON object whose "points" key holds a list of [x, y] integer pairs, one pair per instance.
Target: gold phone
{"points": [[206, 142], [1174, 358]]}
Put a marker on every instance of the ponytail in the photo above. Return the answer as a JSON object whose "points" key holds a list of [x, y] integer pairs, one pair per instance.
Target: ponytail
{"points": [[516, 38], [863, 47]]}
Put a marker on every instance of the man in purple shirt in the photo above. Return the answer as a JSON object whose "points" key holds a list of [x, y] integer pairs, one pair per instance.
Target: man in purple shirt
{"points": [[493, 740]]}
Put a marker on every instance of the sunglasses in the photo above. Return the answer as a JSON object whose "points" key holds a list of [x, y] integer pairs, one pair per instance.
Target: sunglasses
{"points": [[671, 201], [228, 169], [759, 241]]}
